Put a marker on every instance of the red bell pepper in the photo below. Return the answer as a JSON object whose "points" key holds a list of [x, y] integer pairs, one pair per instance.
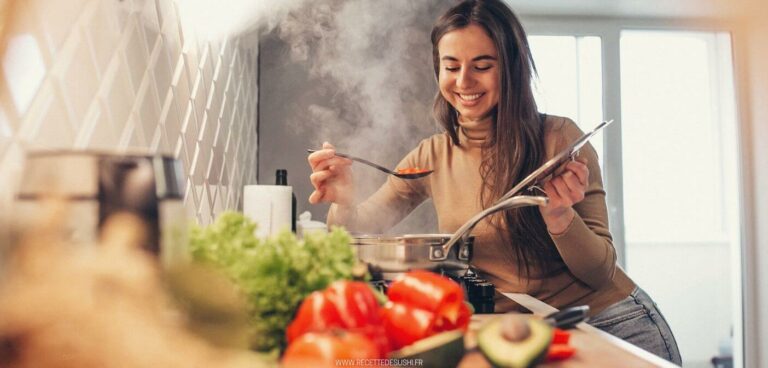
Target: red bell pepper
{"points": [[429, 291], [421, 304], [347, 305], [560, 352], [316, 313], [327, 349], [405, 324], [358, 310], [560, 336], [355, 303]]}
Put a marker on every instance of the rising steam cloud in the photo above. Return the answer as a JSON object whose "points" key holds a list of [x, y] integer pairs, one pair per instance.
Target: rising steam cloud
{"points": [[367, 64], [373, 57], [372, 60], [232, 17]]}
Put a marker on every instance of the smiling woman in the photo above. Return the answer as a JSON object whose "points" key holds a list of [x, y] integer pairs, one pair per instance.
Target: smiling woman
{"points": [[561, 252]]}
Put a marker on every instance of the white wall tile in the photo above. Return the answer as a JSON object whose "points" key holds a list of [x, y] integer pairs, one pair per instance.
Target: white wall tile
{"points": [[180, 152], [59, 18], [119, 96], [123, 11], [112, 75], [172, 115], [149, 111], [205, 204], [207, 131], [157, 143], [132, 138], [180, 85], [199, 99], [162, 69], [80, 81], [206, 64], [214, 100], [54, 130], [150, 23], [102, 134], [192, 60], [189, 126], [195, 163], [103, 33], [136, 53], [200, 164], [167, 14]]}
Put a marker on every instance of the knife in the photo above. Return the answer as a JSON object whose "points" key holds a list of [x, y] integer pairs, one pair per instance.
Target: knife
{"points": [[568, 317]]}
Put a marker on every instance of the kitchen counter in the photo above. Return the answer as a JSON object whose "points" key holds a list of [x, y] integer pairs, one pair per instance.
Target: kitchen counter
{"points": [[594, 348]]}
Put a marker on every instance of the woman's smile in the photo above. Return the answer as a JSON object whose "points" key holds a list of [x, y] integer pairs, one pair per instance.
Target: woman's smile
{"points": [[469, 99]]}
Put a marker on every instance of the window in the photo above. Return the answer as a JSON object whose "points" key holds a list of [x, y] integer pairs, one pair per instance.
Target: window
{"points": [[672, 143], [570, 80], [672, 177]]}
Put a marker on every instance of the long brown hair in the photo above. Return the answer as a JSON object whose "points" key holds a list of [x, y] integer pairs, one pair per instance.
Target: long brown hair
{"points": [[516, 145]]}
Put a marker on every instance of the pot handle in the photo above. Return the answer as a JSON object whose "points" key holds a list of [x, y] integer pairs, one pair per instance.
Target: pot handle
{"points": [[440, 252]]}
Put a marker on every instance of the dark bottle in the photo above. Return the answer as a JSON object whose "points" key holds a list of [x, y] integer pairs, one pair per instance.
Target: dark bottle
{"points": [[282, 179]]}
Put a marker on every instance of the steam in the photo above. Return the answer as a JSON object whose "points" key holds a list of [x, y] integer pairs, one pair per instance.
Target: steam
{"points": [[233, 17], [366, 62], [372, 57]]}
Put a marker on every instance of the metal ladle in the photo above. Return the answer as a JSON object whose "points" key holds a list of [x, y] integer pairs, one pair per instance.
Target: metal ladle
{"points": [[415, 175]]}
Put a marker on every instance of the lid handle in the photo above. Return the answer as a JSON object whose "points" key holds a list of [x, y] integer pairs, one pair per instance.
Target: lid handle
{"points": [[440, 252]]}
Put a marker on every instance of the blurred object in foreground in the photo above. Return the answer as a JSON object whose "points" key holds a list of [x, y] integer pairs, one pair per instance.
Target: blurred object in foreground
{"points": [[215, 309], [65, 305], [97, 185]]}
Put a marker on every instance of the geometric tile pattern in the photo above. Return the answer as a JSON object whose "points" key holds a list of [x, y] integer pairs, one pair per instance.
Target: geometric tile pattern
{"points": [[126, 76]]}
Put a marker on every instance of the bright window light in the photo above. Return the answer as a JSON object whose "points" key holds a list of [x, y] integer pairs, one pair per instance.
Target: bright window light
{"points": [[570, 80], [671, 141]]}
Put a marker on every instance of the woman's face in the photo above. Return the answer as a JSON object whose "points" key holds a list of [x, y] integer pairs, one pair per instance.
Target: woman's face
{"points": [[469, 72]]}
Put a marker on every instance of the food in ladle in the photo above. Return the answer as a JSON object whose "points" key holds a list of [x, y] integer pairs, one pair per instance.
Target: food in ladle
{"points": [[411, 170]]}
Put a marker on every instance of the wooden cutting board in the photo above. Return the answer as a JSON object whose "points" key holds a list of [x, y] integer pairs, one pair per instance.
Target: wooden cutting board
{"points": [[594, 348]]}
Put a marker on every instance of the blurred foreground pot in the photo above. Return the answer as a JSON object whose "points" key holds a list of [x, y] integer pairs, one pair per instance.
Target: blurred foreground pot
{"points": [[97, 185]]}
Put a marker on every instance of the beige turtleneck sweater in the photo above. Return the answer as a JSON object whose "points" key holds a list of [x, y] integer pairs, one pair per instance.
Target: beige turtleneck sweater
{"points": [[589, 274]]}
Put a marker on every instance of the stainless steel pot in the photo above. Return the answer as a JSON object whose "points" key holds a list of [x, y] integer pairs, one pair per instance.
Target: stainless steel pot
{"points": [[96, 185], [393, 255], [451, 253]]}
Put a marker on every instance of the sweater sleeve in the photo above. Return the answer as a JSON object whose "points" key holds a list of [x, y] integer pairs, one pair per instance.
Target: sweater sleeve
{"points": [[392, 202], [586, 246]]}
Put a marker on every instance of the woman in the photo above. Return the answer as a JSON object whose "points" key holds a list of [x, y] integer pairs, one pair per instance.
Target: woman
{"points": [[561, 253]]}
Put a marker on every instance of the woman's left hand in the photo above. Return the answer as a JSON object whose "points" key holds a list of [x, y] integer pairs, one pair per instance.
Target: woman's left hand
{"points": [[564, 191]]}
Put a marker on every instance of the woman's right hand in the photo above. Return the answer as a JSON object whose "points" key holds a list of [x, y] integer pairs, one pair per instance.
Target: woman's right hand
{"points": [[331, 177]]}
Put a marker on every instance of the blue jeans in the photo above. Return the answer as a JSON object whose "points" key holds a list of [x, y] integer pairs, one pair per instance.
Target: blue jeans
{"points": [[637, 319]]}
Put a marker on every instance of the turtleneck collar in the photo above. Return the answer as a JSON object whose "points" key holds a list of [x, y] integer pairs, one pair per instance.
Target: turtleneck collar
{"points": [[474, 133]]}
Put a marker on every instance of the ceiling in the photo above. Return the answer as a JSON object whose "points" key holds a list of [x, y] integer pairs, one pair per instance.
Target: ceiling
{"points": [[641, 8]]}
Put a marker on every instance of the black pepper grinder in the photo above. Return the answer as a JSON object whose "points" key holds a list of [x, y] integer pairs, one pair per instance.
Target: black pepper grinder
{"points": [[282, 179]]}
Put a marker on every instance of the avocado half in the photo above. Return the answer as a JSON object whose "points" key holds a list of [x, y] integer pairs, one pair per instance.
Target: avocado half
{"points": [[443, 350], [514, 354]]}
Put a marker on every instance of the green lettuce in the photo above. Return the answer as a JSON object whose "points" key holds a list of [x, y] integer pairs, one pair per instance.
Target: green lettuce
{"points": [[274, 274]]}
